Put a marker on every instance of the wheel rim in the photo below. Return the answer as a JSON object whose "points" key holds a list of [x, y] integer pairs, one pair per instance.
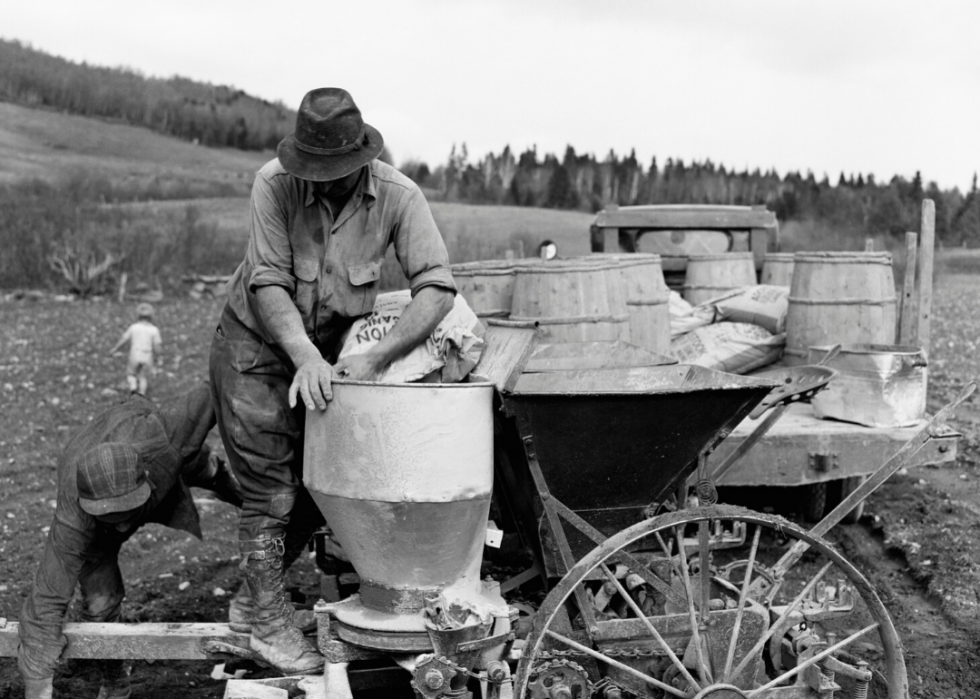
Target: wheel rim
{"points": [[704, 665]]}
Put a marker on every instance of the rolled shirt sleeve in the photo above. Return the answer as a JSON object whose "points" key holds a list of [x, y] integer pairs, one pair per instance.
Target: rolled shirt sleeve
{"points": [[269, 254], [43, 613], [420, 248]]}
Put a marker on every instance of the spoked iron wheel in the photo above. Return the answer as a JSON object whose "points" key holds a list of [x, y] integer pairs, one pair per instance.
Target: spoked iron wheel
{"points": [[715, 602]]}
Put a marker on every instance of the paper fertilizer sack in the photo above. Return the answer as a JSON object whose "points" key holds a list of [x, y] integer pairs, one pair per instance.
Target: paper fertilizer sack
{"points": [[735, 348], [684, 317], [447, 355], [761, 304]]}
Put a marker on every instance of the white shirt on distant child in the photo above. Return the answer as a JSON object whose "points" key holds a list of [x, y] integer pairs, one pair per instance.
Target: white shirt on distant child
{"points": [[144, 340]]}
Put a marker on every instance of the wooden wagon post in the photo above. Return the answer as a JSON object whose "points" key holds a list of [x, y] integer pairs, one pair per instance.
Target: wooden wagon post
{"points": [[927, 242], [908, 313]]}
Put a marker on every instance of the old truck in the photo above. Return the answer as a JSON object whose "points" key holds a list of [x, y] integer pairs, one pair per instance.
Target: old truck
{"points": [[821, 460]]}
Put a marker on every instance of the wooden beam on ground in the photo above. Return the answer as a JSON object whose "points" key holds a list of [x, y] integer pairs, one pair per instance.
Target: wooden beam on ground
{"points": [[908, 323], [927, 245], [140, 641]]}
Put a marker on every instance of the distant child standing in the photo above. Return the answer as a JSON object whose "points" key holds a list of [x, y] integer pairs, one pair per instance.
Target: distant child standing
{"points": [[144, 342]]}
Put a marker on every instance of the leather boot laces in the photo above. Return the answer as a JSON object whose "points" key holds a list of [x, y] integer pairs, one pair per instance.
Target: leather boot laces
{"points": [[276, 577], [271, 555]]}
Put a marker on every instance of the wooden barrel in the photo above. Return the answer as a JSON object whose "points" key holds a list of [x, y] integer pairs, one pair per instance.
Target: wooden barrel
{"points": [[712, 275], [487, 285], [839, 297], [777, 269], [647, 298], [572, 300]]}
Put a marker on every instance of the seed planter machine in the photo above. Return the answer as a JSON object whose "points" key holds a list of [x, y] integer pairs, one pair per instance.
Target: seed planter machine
{"points": [[654, 589], [651, 588]]}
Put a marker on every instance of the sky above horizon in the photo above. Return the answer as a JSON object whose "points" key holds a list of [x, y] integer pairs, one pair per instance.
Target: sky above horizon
{"points": [[881, 87]]}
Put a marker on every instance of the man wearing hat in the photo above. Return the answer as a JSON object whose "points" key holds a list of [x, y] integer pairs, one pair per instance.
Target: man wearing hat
{"points": [[130, 465], [323, 215]]}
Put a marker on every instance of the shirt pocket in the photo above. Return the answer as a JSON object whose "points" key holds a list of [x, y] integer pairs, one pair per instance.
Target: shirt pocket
{"points": [[364, 281], [307, 272]]}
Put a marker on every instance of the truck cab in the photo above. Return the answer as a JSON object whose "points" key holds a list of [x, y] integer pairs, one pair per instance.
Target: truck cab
{"points": [[675, 231]]}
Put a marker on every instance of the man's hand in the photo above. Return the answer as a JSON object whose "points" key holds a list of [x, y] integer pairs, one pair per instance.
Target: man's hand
{"points": [[360, 367], [312, 384]]}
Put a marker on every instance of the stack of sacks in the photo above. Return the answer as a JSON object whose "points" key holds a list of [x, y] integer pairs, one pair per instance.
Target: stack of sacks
{"points": [[448, 354], [739, 331]]}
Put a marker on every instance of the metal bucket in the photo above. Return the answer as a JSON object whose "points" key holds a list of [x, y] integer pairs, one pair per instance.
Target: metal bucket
{"points": [[877, 385], [403, 475]]}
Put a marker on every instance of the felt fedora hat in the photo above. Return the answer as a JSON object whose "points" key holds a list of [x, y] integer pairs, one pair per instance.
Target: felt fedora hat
{"points": [[331, 139]]}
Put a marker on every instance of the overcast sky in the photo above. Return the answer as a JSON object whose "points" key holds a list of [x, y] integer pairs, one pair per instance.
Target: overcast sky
{"points": [[882, 87]]}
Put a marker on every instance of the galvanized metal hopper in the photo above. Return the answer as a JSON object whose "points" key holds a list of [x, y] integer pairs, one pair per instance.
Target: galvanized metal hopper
{"points": [[607, 444]]}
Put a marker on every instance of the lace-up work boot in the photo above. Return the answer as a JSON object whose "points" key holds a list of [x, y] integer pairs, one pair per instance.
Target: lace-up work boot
{"points": [[241, 613], [274, 638]]}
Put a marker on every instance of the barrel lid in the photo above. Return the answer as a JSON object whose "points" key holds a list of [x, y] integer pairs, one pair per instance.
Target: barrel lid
{"points": [[569, 265], [862, 348], [623, 257], [705, 257], [483, 266], [843, 257]]}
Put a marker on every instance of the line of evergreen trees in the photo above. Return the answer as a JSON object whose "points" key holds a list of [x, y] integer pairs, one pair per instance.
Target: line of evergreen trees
{"points": [[213, 115], [582, 182]]}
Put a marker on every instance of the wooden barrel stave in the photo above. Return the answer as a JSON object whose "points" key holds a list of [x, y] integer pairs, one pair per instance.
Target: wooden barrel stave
{"points": [[647, 298], [840, 297], [708, 276], [572, 300], [777, 269], [487, 285]]}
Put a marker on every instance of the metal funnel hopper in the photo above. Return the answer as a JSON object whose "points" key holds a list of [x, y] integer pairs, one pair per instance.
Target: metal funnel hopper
{"points": [[403, 474]]}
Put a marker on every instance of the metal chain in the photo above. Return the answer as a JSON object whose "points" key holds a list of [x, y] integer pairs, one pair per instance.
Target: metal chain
{"points": [[560, 656], [638, 652]]}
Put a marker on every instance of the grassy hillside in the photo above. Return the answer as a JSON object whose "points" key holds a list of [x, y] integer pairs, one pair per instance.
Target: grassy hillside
{"points": [[51, 145], [198, 112]]}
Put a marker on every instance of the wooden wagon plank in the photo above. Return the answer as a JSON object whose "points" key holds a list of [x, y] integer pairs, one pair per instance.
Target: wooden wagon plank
{"points": [[782, 456], [137, 641], [507, 349], [685, 217]]}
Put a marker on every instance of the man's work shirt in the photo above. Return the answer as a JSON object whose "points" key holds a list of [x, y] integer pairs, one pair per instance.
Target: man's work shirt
{"points": [[332, 267]]}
